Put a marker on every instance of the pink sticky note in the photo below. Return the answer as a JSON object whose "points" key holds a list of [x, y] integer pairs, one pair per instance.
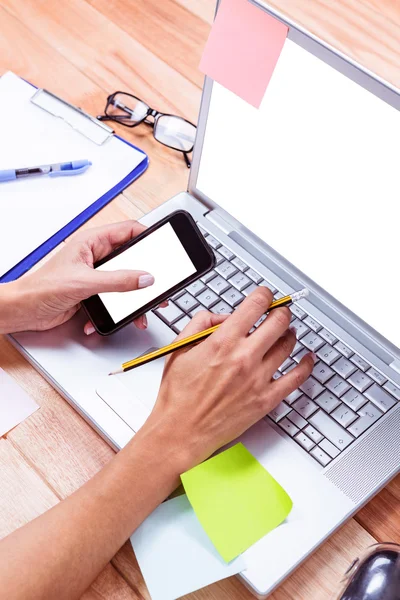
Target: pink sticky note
{"points": [[15, 404], [243, 48]]}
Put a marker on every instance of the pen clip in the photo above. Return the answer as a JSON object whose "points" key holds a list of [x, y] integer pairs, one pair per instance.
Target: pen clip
{"points": [[69, 172]]}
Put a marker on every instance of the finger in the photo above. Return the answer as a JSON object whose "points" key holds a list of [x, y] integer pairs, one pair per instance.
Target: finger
{"points": [[163, 304], [103, 240], [201, 321], [97, 281], [286, 384], [279, 352], [88, 328], [269, 332], [141, 322], [248, 313]]}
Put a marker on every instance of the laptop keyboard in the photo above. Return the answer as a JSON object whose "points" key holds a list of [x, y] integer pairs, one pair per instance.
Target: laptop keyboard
{"points": [[344, 396]]}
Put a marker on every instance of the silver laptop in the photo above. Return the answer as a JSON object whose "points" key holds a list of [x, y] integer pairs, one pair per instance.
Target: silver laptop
{"points": [[300, 193]]}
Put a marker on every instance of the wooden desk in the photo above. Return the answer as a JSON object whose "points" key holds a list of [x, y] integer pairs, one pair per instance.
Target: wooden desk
{"points": [[83, 50]]}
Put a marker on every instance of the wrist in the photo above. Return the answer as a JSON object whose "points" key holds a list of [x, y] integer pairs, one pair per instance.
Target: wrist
{"points": [[13, 307]]}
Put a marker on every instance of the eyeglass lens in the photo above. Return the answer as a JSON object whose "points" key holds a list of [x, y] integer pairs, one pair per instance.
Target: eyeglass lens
{"points": [[175, 133], [125, 108]]}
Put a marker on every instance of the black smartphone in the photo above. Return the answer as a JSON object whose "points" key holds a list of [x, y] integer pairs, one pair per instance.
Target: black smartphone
{"points": [[173, 251]]}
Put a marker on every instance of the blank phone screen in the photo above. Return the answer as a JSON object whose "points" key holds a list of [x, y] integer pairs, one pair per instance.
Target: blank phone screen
{"points": [[162, 255]]}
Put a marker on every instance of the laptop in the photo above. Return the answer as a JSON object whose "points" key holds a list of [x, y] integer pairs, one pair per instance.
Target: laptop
{"points": [[300, 193]]}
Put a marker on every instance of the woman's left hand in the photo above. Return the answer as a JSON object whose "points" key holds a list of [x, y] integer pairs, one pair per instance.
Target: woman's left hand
{"points": [[52, 294]]}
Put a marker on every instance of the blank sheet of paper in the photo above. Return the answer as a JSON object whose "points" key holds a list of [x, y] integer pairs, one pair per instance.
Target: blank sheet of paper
{"points": [[236, 500], [15, 404], [34, 209], [243, 48], [174, 553]]}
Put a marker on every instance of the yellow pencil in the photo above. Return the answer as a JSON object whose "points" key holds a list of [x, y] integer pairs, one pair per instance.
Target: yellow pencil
{"points": [[197, 337]]}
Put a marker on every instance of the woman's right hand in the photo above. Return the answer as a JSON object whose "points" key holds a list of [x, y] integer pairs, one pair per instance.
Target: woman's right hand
{"points": [[213, 392]]}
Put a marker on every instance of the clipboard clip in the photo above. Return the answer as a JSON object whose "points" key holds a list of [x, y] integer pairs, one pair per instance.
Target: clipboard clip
{"points": [[94, 130]]}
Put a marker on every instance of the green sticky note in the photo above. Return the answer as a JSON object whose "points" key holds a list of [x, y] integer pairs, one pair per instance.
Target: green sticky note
{"points": [[236, 500]]}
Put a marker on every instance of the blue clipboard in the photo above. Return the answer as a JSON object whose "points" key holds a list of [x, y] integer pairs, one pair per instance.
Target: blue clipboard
{"points": [[29, 261]]}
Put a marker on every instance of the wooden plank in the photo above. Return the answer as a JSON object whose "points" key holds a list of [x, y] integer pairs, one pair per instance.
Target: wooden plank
{"points": [[204, 9], [170, 31], [381, 516]]}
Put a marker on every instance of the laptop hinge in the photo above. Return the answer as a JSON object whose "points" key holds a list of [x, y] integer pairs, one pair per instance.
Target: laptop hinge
{"points": [[215, 217]]}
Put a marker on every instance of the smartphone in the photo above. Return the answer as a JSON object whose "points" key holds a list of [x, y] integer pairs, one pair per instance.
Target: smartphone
{"points": [[173, 251]]}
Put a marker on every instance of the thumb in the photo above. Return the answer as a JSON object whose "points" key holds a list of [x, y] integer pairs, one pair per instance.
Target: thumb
{"points": [[123, 280]]}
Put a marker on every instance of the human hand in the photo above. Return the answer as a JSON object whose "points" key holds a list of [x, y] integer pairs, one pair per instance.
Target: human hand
{"points": [[213, 392], [51, 295]]}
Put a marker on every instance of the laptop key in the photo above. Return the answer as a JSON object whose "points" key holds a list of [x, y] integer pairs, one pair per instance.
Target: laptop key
{"points": [[312, 341], [327, 336], [368, 415], [211, 241], [329, 448], [219, 285], [301, 354], [279, 412], [380, 398], [300, 328], [304, 441], [254, 276], [376, 376], [337, 386], [328, 354], [359, 362], [298, 312], [239, 264], [232, 297], [239, 281], [226, 269], [322, 372], [293, 396], [298, 346], [208, 276], [331, 430], [312, 388], [313, 324], [344, 367], [392, 389], [198, 308], [271, 287], [247, 291], [181, 324], [343, 349], [286, 364], [360, 381], [196, 287], [321, 456], [203, 231], [344, 415], [289, 427], [170, 313], [218, 257], [354, 399], [222, 308], [327, 401], [226, 253], [186, 302], [208, 298], [305, 407], [297, 419], [313, 434]]}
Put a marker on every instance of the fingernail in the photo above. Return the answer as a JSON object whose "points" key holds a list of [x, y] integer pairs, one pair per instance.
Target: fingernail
{"points": [[144, 321], [293, 330], [314, 357], [89, 330], [145, 281]]}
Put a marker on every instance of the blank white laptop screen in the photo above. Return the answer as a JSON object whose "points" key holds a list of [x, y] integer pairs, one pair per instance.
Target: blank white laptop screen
{"points": [[315, 174]]}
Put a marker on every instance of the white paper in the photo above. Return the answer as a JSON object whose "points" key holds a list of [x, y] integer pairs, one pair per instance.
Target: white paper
{"points": [[34, 209], [315, 174], [15, 404], [174, 553]]}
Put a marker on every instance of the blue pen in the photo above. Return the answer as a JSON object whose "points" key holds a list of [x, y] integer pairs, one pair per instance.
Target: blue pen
{"points": [[75, 167]]}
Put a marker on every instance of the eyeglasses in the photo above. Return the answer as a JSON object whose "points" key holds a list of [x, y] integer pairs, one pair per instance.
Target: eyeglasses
{"points": [[172, 131]]}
